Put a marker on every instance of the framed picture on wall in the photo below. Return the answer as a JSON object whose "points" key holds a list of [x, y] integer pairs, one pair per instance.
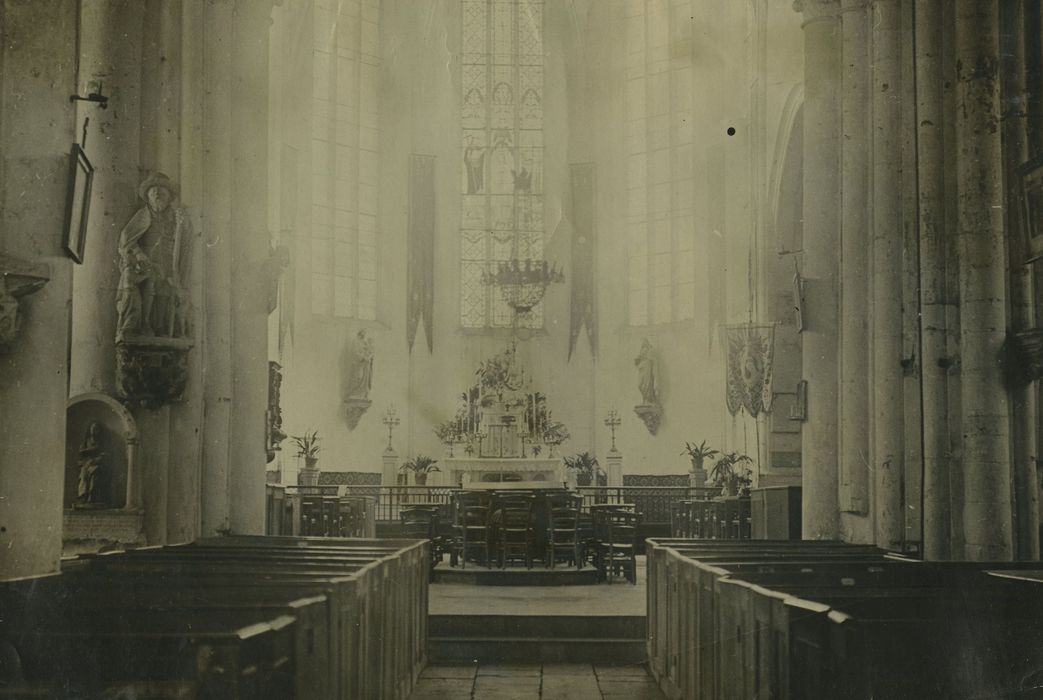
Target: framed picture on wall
{"points": [[1032, 208], [81, 176]]}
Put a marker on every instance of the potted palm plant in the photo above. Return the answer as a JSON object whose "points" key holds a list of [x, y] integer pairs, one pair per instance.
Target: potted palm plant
{"points": [[421, 466], [698, 454], [731, 474], [585, 465], [308, 447]]}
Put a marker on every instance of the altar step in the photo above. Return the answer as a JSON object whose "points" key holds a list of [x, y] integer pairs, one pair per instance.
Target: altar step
{"points": [[539, 575], [603, 639]]}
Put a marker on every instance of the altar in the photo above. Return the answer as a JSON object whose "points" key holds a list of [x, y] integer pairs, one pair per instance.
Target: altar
{"points": [[492, 470]]}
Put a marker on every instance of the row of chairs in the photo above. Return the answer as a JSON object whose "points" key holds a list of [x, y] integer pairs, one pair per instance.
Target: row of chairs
{"points": [[501, 527], [717, 519]]}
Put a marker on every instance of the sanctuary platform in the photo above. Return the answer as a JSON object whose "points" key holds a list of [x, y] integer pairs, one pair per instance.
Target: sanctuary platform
{"points": [[603, 623]]}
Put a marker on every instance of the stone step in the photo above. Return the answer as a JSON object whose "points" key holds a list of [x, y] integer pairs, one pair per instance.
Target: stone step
{"points": [[601, 650], [536, 626]]}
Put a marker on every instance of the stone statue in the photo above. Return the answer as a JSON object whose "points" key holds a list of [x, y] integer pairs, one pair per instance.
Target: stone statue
{"points": [[153, 250], [646, 374], [361, 367], [94, 472]]}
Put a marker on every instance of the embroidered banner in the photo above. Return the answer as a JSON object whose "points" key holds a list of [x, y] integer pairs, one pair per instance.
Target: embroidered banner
{"points": [[583, 251], [420, 292], [749, 353]]}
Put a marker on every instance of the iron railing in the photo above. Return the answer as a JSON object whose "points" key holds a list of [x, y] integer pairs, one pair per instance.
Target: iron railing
{"points": [[657, 504]]}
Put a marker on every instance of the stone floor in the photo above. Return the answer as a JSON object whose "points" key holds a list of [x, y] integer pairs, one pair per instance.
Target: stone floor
{"points": [[549, 682]]}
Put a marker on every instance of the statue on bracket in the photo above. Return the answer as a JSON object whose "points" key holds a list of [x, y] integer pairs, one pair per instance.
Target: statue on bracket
{"points": [[649, 409], [152, 303], [360, 378]]}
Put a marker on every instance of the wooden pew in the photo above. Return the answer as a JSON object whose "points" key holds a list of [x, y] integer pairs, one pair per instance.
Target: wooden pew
{"points": [[737, 652], [900, 627], [363, 620], [406, 642], [227, 654], [681, 618], [363, 590]]}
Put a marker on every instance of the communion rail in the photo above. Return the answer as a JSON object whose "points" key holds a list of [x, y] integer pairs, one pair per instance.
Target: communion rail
{"points": [[658, 504]]}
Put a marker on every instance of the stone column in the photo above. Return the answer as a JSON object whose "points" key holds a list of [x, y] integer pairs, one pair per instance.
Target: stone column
{"points": [[821, 226], [113, 146], [38, 67], [250, 246], [886, 451], [934, 301], [854, 261], [232, 130], [1024, 418], [985, 420]]}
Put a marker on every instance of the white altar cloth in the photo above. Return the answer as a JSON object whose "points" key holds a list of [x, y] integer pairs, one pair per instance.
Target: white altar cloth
{"points": [[468, 470]]}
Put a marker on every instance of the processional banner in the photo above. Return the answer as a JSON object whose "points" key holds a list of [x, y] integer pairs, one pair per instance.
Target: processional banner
{"points": [[749, 354], [420, 299]]}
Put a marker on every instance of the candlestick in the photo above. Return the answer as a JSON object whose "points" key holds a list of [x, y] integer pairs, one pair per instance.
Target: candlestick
{"points": [[391, 420], [613, 421]]}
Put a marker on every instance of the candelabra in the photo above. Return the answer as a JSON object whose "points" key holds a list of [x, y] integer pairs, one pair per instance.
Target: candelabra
{"points": [[613, 422], [391, 420]]}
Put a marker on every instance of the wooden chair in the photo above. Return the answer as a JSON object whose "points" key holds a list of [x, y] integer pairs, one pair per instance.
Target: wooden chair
{"points": [[422, 524], [470, 529], [616, 531], [516, 532], [563, 536]]}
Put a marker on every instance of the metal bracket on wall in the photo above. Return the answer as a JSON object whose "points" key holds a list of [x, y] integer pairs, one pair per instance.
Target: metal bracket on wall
{"points": [[799, 409]]}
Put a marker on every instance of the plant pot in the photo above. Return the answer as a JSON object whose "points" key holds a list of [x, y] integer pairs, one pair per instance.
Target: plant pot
{"points": [[420, 479], [311, 463], [583, 480]]}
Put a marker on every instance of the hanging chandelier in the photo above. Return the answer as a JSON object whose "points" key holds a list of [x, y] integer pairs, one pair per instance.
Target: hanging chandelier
{"points": [[523, 283]]}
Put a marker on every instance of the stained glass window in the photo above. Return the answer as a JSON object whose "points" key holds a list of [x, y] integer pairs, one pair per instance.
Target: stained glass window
{"points": [[660, 186], [502, 160], [345, 153]]}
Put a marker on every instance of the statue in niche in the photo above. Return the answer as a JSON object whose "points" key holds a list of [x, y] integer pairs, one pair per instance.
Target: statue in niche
{"points": [[361, 367], [92, 486], [153, 247]]}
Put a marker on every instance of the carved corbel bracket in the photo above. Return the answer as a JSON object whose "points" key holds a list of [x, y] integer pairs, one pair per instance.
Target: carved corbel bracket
{"points": [[18, 278], [354, 408], [651, 414], [151, 371]]}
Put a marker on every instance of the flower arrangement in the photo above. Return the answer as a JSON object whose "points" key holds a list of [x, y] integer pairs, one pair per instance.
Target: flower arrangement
{"points": [[497, 373], [555, 433]]}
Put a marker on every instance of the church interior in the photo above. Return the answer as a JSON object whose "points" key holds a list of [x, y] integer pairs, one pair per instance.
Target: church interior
{"points": [[521, 348]]}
